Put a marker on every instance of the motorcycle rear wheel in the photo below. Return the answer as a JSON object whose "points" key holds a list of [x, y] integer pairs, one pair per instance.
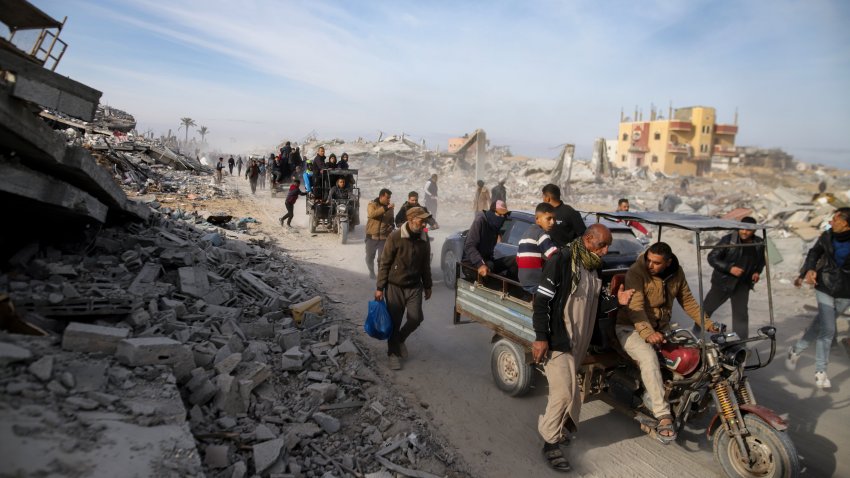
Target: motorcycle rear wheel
{"points": [[774, 454]]}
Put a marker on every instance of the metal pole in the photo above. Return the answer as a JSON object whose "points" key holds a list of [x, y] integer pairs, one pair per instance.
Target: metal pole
{"points": [[699, 276], [767, 271]]}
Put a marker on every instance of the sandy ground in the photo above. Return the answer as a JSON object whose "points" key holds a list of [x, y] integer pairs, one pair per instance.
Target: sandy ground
{"points": [[449, 370]]}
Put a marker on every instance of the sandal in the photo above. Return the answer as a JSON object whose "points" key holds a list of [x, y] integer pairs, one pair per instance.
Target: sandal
{"points": [[666, 434], [555, 458]]}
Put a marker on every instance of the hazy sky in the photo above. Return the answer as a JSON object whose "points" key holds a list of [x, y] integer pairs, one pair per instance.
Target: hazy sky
{"points": [[533, 74]]}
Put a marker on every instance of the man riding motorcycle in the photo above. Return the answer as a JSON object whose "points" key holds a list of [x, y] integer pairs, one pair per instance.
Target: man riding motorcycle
{"points": [[657, 279]]}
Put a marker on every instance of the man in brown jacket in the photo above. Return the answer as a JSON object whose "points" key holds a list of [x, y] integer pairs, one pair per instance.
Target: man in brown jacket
{"points": [[404, 271], [379, 225], [657, 280]]}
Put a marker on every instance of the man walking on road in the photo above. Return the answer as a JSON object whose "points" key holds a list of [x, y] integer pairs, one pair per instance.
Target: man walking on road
{"points": [[239, 166], [379, 225], [404, 271], [736, 271], [564, 315], [827, 267], [499, 193], [230, 163], [291, 198], [431, 195], [482, 198]]}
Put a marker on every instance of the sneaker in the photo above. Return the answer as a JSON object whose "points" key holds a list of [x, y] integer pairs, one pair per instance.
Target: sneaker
{"points": [[394, 362], [821, 380], [791, 359], [402, 350], [281, 221]]}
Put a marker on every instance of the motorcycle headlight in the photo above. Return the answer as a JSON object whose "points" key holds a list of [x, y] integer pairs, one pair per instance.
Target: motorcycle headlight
{"points": [[341, 208], [735, 355]]}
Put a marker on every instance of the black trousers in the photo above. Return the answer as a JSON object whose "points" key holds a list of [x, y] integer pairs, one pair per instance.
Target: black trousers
{"points": [[739, 297], [400, 300], [289, 214]]}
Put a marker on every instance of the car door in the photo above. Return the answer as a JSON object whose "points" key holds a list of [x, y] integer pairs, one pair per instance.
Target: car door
{"points": [[512, 234]]}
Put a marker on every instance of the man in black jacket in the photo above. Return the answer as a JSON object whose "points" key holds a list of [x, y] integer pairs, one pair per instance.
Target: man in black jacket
{"points": [[568, 222], [827, 266], [565, 309], [404, 271], [481, 241], [736, 271], [413, 201]]}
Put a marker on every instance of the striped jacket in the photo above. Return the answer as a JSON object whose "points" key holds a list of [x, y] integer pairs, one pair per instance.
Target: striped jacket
{"points": [[534, 249]]}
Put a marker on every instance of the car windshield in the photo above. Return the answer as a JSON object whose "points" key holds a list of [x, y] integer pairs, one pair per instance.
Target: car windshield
{"points": [[625, 243]]}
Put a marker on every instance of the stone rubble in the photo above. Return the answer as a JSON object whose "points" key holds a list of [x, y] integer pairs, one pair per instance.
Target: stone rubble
{"points": [[204, 341]]}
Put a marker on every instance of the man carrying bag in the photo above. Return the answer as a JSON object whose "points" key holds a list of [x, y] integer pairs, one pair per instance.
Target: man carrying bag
{"points": [[404, 271]]}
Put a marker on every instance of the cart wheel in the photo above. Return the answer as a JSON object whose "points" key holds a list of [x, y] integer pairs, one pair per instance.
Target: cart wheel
{"points": [[510, 372]]}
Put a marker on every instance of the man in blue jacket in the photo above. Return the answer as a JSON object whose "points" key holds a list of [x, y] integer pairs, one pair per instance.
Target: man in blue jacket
{"points": [[827, 266]]}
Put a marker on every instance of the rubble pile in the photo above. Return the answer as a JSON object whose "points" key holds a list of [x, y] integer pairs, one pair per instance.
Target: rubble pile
{"points": [[177, 334]]}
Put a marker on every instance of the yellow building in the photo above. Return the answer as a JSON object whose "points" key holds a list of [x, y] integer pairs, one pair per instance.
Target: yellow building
{"points": [[683, 143]]}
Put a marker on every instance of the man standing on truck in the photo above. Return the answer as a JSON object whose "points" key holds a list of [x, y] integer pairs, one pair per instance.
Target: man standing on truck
{"points": [[535, 248], [568, 222], [565, 310], [404, 271]]}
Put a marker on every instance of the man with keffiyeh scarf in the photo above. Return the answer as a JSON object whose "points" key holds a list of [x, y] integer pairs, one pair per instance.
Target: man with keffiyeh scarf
{"points": [[565, 309]]}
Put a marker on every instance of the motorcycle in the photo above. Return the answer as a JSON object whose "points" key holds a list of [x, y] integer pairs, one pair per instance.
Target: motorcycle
{"points": [[749, 440]]}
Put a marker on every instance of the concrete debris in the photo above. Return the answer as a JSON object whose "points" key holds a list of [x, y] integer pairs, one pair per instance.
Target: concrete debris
{"points": [[90, 338], [10, 353]]}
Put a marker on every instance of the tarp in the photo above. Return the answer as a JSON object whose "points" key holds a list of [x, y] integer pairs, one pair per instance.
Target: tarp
{"points": [[690, 222]]}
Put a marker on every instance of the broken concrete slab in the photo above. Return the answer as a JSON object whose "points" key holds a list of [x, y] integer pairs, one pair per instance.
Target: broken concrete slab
{"points": [[10, 353], [289, 338], [216, 456], [228, 364], [266, 454], [148, 351], [42, 368], [328, 423], [80, 337], [194, 281], [41, 188]]}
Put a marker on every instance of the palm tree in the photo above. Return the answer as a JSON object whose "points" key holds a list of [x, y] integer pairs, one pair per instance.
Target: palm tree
{"points": [[187, 123], [203, 131]]}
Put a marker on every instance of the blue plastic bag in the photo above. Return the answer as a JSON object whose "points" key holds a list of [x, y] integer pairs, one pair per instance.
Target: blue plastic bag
{"points": [[378, 324]]}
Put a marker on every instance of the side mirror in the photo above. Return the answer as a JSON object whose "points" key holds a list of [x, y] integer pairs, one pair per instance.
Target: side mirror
{"points": [[768, 330]]}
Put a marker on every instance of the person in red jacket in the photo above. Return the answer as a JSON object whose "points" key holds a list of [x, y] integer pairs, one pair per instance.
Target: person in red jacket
{"points": [[291, 198]]}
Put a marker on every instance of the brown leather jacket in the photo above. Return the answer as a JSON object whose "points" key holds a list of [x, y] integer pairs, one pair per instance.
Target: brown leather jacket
{"points": [[380, 221], [651, 306]]}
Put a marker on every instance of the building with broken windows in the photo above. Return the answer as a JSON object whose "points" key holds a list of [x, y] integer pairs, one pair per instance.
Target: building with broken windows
{"points": [[683, 143]]}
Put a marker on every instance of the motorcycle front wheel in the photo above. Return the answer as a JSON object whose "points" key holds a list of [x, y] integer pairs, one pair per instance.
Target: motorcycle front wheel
{"points": [[772, 452]]}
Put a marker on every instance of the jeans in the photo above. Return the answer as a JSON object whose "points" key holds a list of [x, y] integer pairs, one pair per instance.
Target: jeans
{"points": [[822, 328]]}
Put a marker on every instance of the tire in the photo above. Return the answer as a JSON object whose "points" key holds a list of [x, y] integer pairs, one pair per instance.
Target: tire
{"points": [[314, 222], [510, 372], [449, 269], [343, 233], [776, 456]]}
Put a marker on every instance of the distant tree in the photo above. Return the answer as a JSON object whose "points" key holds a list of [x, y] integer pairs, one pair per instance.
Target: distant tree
{"points": [[203, 131], [187, 123]]}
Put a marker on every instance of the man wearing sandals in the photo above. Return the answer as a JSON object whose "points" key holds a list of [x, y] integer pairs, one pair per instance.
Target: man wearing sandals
{"points": [[657, 279], [564, 314]]}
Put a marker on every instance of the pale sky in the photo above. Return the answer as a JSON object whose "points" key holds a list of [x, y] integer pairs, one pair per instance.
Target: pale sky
{"points": [[533, 74]]}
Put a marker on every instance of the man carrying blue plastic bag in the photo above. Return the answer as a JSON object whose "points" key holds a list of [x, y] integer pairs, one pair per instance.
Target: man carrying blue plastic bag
{"points": [[404, 272]]}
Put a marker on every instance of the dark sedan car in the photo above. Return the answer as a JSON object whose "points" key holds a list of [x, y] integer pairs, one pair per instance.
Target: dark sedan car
{"points": [[623, 251]]}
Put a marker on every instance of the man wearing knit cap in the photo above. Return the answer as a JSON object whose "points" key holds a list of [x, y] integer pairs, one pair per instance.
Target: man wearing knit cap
{"points": [[404, 275]]}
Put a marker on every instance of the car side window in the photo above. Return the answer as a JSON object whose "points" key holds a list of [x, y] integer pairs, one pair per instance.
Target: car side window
{"points": [[505, 231], [517, 232]]}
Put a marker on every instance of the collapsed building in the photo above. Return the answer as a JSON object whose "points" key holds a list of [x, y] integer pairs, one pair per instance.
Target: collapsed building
{"points": [[141, 339]]}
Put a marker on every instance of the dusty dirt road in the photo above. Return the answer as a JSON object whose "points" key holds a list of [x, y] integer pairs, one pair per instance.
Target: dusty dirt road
{"points": [[449, 373]]}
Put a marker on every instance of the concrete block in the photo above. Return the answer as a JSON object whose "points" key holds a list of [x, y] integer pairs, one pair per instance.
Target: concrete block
{"points": [[260, 329], [42, 368], [194, 281], [238, 470], [204, 393], [291, 365], [216, 456], [263, 433], [10, 353], [327, 391], [222, 354], [254, 372], [333, 335], [79, 337], [176, 305], [289, 338], [311, 320], [139, 318], [328, 423], [148, 351], [316, 376], [228, 364], [266, 454]]}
